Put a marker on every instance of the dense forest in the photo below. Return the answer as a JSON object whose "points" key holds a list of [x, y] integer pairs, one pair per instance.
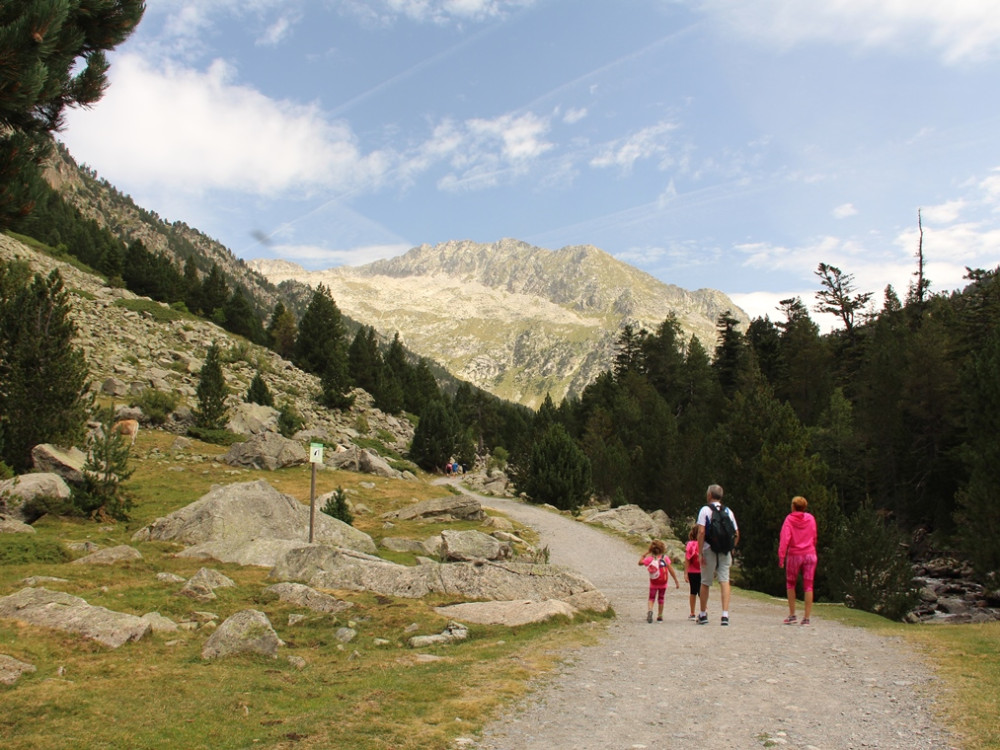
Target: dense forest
{"points": [[890, 426]]}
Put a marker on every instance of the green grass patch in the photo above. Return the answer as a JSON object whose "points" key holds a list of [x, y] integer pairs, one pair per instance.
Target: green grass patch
{"points": [[158, 312], [24, 549]]}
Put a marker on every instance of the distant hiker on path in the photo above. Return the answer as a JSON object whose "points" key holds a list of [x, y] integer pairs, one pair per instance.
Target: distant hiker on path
{"points": [[658, 565], [797, 552], [718, 535]]}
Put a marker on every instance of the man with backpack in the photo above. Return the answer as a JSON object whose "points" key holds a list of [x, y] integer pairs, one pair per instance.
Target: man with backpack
{"points": [[718, 535]]}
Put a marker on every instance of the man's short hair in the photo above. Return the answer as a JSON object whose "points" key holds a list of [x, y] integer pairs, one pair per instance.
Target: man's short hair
{"points": [[715, 491]]}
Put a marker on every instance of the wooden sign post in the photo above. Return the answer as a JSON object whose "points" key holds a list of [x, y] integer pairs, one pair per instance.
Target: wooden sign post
{"points": [[315, 457]]}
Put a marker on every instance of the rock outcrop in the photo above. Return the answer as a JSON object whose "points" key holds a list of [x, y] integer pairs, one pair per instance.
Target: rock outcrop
{"points": [[250, 512], [248, 631], [326, 568], [55, 609]]}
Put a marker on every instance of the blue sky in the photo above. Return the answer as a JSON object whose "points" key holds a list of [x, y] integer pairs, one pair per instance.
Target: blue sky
{"points": [[712, 143]]}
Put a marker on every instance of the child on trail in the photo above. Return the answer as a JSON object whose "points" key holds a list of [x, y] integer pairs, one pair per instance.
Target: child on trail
{"points": [[692, 568], [658, 565]]}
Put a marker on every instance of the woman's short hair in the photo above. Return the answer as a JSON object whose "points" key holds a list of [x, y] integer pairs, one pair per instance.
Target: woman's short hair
{"points": [[799, 503]]}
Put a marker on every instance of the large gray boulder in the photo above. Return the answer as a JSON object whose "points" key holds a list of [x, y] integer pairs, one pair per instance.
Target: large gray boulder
{"points": [[55, 609], [268, 450], [325, 568], [470, 545], [10, 525], [14, 493], [110, 556], [364, 461], [261, 553], [457, 507], [248, 631], [249, 512], [66, 462], [253, 419], [632, 520], [303, 596]]}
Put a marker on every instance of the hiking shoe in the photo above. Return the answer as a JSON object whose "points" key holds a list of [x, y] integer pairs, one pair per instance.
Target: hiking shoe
{"points": [[659, 619], [790, 620], [725, 621], [692, 617], [702, 620], [649, 616], [805, 621]]}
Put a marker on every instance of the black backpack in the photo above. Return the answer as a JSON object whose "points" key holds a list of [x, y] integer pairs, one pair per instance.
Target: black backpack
{"points": [[721, 531]]}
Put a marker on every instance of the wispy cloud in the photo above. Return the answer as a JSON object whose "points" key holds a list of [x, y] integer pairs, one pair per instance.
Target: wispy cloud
{"points": [[431, 11], [314, 256], [844, 210], [653, 142], [962, 31]]}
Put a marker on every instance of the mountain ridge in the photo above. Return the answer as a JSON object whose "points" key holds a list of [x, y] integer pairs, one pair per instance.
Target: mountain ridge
{"points": [[519, 321]]}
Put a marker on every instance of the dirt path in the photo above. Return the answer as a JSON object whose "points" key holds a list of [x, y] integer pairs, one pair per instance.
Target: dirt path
{"points": [[757, 683]]}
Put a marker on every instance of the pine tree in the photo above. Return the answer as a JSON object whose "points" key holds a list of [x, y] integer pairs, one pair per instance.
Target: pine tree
{"points": [[281, 331], [41, 373], [557, 471], [435, 437], [53, 58], [214, 294], [211, 393], [105, 471], [241, 319], [320, 341], [192, 286], [979, 500], [259, 393]]}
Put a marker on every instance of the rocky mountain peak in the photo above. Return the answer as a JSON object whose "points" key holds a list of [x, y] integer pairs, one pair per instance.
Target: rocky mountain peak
{"points": [[516, 320]]}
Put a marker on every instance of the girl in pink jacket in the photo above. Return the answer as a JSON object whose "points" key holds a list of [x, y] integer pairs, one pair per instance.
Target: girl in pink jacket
{"points": [[797, 552]]}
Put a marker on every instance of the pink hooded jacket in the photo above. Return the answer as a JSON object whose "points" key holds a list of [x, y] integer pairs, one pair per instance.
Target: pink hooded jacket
{"points": [[798, 535]]}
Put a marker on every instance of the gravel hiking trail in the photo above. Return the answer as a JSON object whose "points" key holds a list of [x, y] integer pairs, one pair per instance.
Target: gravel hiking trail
{"points": [[674, 684]]}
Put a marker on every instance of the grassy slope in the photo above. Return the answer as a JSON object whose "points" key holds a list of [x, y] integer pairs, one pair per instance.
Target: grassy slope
{"points": [[160, 693]]}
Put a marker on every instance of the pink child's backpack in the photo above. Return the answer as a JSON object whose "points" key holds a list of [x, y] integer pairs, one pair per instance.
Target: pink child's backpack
{"points": [[657, 568]]}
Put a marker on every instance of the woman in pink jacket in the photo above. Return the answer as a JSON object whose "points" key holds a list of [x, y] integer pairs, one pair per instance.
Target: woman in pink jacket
{"points": [[797, 552]]}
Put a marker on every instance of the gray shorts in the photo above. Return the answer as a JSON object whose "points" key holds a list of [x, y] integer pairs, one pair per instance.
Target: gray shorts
{"points": [[715, 564]]}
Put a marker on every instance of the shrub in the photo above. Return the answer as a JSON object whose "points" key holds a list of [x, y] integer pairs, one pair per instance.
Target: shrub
{"points": [[289, 420], [869, 566], [336, 506], [156, 405], [215, 436], [258, 392], [42, 505]]}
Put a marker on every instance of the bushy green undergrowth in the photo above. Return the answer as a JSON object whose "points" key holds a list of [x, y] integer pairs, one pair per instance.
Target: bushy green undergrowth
{"points": [[158, 312], [25, 549]]}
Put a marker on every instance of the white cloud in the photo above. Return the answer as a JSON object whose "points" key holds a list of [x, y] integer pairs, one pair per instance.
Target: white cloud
{"points": [[960, 31], [276, 33], [944, 213], [844, 210], [314, 256], [191, 131], [482, 152], [574, 115], [649, 143]]}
